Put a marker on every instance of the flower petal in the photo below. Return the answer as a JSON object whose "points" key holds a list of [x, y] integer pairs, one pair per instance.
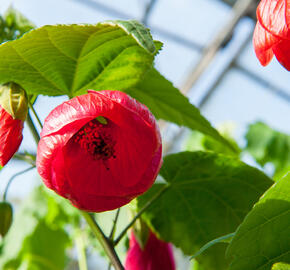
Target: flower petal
{"points": [[263, 42], [282, 53], [10, 136], [272, 16]]}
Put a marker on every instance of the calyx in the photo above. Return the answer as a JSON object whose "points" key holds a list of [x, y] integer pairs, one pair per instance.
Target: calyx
{"points": [[13, 100]]}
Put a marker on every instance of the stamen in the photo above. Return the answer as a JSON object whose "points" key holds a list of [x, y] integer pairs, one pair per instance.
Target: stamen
{"points": [[96, 140]]}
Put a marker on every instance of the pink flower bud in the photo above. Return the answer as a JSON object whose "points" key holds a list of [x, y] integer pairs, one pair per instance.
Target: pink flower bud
{"points": [[156, 255]]}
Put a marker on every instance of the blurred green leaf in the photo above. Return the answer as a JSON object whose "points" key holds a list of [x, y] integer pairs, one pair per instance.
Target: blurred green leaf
{"points": [[208, 197], [13, 25], [281, 266], [264, 236], [38, 237], [201, 142], [168, 103], [267, 145], [69, 59]]}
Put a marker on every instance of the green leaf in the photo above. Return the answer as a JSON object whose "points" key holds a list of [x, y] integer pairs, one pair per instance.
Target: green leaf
{"points": [[281, 266], [138, 31], [69, 59], [167, 102], [37, 238], [267, 145], [46, 248], [208, 197], [264, 236]]}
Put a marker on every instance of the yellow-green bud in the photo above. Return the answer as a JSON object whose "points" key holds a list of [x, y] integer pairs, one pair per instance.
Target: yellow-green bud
{"points": [[13, 100]]}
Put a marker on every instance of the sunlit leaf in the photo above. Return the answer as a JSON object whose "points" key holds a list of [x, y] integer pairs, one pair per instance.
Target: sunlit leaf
{"points": [[264, 236], [69, 59], [208, 196], [166, 102]]}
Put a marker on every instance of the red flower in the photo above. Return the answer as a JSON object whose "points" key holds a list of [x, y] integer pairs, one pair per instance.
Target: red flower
{"points": [[10, 136], [272, 33], [156, 255], [99, 150]]}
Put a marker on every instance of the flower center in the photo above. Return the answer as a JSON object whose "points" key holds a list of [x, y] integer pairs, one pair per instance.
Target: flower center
{"points": [[95, 139]]}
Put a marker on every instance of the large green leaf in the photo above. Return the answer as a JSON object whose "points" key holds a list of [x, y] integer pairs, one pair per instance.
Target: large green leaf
{"points": [[69, 59], [264, 236], [167, 102], [208, 196], [268, 145]]}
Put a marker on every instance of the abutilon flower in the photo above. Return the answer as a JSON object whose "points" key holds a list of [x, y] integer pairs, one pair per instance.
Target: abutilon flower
{"points": [[99, 150], [13, 112], [156, 255], [272, 33]]}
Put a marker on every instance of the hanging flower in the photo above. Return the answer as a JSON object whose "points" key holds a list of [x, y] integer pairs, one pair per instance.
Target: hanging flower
{"points": [[272, 34], [99, 150], [13, 112], [156, 255]]}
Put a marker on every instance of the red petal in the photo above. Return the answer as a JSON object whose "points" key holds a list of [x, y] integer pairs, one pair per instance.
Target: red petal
{"points": [[156, 255], [282, 53], [272, 16], [263, 42], [73, 173], [10, 136]]}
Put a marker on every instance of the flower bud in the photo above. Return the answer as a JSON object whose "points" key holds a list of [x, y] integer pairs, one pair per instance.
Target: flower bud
{"points": [[155, 255], [13, 112], [6, 214]]}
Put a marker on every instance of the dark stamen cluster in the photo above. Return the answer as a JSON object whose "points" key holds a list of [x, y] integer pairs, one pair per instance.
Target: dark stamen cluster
{"points": [[95, 139]]}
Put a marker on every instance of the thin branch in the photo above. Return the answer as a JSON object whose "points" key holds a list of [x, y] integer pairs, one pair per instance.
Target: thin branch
{"points": [[144, 208], [35, 114], [104, 241], [12, 178], [113, 230], [32, 128], [29, 158]]}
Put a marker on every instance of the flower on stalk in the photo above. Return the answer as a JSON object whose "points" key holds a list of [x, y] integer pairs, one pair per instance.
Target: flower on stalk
{"points": [[99, 150], [155, 255], [13, 112], [272, 33]]}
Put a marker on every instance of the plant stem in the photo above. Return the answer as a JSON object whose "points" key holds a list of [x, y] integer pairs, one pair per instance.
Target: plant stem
{"points": [[104, 241], [35, 114], [144, 208], [29, 158], [82, 258], [11, 180], [32, 128], [114, 224]]}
